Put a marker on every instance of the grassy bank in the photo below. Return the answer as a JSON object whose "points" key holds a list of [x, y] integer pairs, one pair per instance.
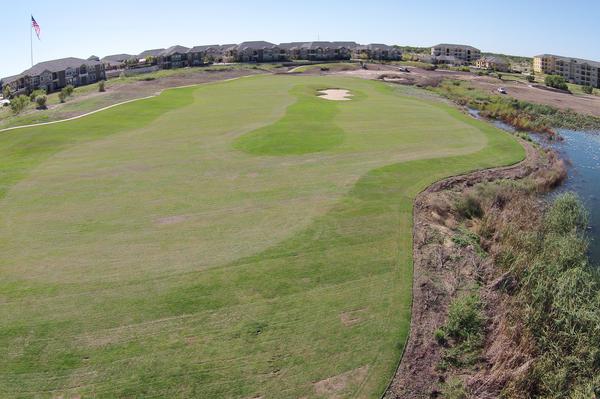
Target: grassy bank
{"points": [[522, 115], [556, 303], [544, 340]]}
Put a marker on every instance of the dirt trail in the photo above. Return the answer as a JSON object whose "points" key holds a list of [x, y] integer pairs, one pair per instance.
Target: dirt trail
{"points": [[439, 266]]}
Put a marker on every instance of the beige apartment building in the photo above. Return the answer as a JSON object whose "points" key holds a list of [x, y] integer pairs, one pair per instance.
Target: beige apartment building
{"points": [[459, 52], [574, 70]]}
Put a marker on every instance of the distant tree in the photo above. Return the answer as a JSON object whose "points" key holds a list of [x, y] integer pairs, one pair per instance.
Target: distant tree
{"points": [[587, 89], [556, 81], [18, 104], [499, 76], [41, 101], [530, 78], [101, 87], [6, 92], [62, 96]]}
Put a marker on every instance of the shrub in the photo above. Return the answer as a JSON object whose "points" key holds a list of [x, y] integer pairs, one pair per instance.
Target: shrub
{"points": [[587, 89], [567, 215], [6, 92], [454, 388], [18, 104], [440, 336], [41, 101], [35, 94], [465, 318], [66, 92], [69, 90], [469, 207], [530, 78], [101, 86], [556, 81]]}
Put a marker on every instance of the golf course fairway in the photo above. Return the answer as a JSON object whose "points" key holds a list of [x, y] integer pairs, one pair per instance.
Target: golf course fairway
{"points": [[239, 239]]}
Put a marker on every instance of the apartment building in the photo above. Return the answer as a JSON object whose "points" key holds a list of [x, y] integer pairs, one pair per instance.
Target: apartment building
{"points": [[56, 74], [200, 55], [574, 70], [493, 63], [459, 53], [173, 57], [377, 51], [257, 51]]}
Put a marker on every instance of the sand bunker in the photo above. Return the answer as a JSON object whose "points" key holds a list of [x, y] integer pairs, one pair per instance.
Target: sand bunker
{"points": [[335, 94]]}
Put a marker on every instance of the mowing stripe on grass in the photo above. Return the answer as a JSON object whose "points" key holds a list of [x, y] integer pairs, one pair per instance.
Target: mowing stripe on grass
{"points": [[308, 126]]}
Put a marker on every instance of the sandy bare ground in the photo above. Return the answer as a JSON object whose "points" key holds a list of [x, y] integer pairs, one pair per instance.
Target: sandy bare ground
{"points": [[586, 104], [336, 95]]}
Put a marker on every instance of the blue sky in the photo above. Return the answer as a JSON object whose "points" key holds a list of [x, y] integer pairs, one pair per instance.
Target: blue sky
{"points": [[80, 29]]}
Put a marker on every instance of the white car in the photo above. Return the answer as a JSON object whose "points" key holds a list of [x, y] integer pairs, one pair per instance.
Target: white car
{"points": [[501, 90]]}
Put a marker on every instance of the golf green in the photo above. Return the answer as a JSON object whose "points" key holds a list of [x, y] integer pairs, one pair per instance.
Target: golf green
{"points": [[240, 239]]}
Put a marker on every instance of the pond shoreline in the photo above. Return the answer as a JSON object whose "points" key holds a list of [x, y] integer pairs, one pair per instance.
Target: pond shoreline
{"points": [[581, 151]]}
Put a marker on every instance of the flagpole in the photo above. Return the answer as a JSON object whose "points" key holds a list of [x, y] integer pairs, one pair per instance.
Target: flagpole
{"points": [[31, 41]]}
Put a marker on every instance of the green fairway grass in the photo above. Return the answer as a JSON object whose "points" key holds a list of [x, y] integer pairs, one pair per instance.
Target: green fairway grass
{"points": [[240, 239], [308, 126]]}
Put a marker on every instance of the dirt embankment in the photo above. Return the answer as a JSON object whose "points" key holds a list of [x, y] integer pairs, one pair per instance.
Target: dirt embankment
{"points": [[443, 269]]}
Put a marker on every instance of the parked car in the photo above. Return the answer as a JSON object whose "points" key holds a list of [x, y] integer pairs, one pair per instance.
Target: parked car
{"points": [[501, 90]]}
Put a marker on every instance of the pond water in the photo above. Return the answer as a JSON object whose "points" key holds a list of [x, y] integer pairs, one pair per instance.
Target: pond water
{"points": [[582, 150]]}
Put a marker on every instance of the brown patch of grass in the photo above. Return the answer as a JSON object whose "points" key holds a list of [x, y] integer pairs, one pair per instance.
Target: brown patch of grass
{"points": [[334, 387], [172, 220], [352, 317]]}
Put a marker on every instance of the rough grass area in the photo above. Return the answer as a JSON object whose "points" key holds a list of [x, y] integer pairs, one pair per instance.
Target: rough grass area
{"points": [[144, 255], [522, 115], [556, 305]]}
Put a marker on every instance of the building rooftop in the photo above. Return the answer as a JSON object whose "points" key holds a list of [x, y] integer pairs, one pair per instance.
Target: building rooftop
{"points": [[150, 53], [174, 50], [256, 44], [463, 46], [9, 79], [577, 60], [197, 49], [117, 57], [59, 65], [378, 46]]}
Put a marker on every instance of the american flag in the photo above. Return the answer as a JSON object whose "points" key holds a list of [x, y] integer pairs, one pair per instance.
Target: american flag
{"points": [[35, 26]]}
